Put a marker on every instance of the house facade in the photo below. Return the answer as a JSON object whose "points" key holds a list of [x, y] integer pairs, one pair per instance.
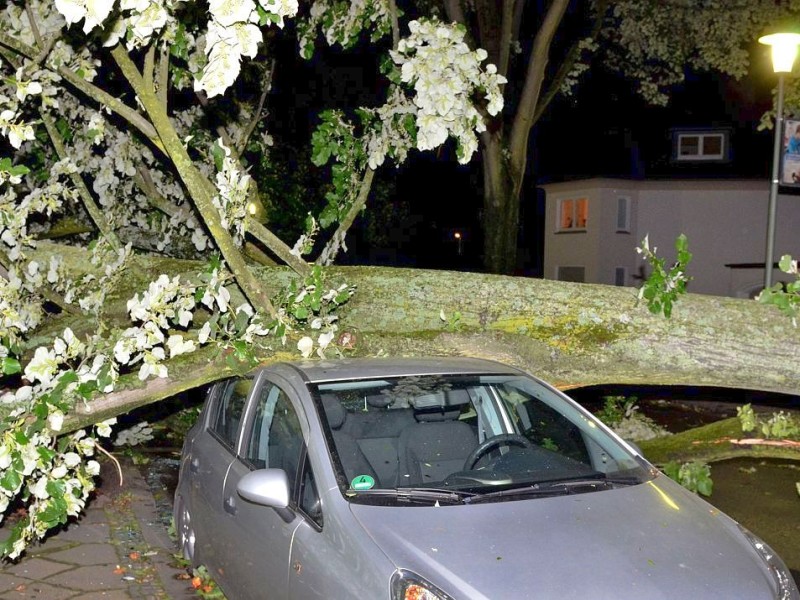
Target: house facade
{"points": [[593, 227]]}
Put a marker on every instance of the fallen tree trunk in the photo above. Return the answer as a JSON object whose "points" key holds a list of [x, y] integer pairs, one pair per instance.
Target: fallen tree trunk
{"points": [[569, 334], [714, 442]]}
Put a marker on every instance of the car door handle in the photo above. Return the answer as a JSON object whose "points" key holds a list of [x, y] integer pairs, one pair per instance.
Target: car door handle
{"points": [[194, 465], [230, 505]]}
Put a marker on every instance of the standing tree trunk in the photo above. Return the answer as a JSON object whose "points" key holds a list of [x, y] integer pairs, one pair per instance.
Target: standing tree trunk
{"points": [[500, 208], [496, 26]]}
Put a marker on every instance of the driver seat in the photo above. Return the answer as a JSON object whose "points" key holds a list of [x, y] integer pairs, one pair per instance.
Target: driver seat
{"points": [[438, 443]]}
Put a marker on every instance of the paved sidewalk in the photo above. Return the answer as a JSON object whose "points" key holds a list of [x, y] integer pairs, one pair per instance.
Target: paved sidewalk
{"points": [[119, 549]]}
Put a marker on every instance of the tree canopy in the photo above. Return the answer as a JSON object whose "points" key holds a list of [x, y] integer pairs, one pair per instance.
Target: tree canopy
{"points": [[134, 238]]}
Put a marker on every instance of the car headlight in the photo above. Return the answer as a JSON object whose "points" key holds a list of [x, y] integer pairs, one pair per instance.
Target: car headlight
{"points": [[787, 589], [410, 586]]}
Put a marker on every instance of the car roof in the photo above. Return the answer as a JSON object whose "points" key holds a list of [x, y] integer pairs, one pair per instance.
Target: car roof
{"points": [[369, 368]]}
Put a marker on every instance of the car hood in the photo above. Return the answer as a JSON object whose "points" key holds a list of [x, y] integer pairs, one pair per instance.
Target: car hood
{"points": [[652, 540]]}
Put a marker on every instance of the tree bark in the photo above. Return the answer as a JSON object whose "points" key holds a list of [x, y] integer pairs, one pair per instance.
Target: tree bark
{"points": [[568, 334], [501, 209]]}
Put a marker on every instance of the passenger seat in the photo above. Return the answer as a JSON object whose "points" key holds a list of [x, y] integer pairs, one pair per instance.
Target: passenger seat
{"points": [[352, 458]]}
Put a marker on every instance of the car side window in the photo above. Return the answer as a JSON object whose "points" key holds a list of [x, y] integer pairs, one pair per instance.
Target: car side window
{"points": [[226, 415], [276, 439], [309, 496]]}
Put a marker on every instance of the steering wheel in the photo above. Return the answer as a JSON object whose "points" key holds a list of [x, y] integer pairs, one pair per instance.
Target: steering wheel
{"points": [[504, 439]]}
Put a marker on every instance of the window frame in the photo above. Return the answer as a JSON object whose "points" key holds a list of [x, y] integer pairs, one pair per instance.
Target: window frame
{"points": [[215, 405], [263, 385], [627, 203], [701, 155], [558, 273], [574, 210]]}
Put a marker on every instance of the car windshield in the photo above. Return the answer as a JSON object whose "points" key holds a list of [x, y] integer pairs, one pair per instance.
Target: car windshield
{"points": [[457, 438]]}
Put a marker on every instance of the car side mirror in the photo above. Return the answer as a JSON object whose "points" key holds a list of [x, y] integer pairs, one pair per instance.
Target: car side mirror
{"points": [[267, 487]]}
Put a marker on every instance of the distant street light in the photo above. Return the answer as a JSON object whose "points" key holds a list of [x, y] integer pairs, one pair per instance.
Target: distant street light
{"points": [[784, 51], [457, 236]]}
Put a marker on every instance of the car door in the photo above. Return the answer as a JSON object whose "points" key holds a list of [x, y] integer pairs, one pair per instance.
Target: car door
{"points": [[255, 540], [212, 453]]}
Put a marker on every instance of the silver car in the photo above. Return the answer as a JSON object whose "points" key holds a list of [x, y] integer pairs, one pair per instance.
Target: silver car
{"points": [[442, 479]]}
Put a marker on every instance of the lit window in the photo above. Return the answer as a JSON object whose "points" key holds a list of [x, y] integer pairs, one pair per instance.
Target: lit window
{"points": [[573, 214]]}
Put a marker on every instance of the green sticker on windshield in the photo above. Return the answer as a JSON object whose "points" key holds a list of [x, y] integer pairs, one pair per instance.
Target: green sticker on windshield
{"points": [[362, 482]]}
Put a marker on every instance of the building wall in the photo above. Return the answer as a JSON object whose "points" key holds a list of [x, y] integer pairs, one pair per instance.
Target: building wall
{"points": [[724, 220]]}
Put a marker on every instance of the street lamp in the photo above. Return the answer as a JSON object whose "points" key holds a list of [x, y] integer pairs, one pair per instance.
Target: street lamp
{"points": [[457, 236], [784, 51]]}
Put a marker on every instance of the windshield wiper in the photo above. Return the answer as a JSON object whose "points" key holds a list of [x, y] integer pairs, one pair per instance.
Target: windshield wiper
{"points": [[418, 494], [556, 487], [589, 480]]}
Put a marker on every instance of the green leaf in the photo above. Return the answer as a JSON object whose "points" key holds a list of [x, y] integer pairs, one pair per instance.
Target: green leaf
{"points": [[328, 216], [46, 454], [10, 365], [53, 513], [104, 378], [10, 480], [320, 153], [219, 156], [64, 129], [7, 547], [671, 470], [241, 321], [86, 389]]}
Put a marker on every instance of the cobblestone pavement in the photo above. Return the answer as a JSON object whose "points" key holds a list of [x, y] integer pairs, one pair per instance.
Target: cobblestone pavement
{"points": [[119, 549]]}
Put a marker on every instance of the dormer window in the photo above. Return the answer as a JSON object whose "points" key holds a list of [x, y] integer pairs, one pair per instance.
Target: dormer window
{"points": [[700, 146]]}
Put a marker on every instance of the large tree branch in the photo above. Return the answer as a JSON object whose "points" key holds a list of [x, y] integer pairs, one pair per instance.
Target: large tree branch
{"points": [[55, 137], [523, 121], [194, 181], [251, 126], [531, 323], [256, 229], [328, 254], [569, 62], [100, 96], [162, 77], [506, 35], [34, 26], [45, 290], [395, 23], [86, 197], [276, 245], [149, 69], [145, 183]]}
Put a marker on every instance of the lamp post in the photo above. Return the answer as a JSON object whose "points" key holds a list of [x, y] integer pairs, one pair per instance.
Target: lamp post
{"points": [[457, 236], [784, 51]]}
